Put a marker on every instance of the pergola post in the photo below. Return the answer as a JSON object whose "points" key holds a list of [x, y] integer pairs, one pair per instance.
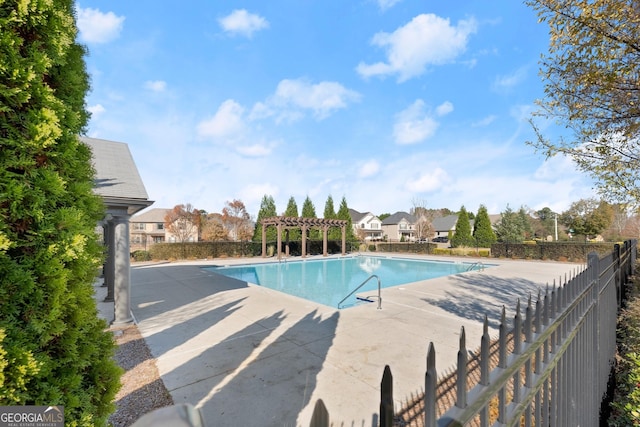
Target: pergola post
{"points": [[279, 227], [325, 229], [286, 245], [304, 241], [344, 239], [264, 241]]}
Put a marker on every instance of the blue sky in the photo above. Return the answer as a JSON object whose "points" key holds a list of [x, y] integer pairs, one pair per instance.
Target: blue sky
{"points": [[389, 103]]}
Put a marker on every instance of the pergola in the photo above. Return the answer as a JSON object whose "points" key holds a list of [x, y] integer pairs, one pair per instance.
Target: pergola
{"points": [[287, 222]]}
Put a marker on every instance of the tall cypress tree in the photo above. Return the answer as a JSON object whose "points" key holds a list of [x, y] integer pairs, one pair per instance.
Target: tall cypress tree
{"points": [[292, 211], [309, 211], [343, 213], [267, 210], [53, 347], [462, 233], [330, 213], [482, 229]]}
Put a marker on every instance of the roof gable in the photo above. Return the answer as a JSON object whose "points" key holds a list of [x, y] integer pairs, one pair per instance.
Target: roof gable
{"points": [[397, 217], [152, 215]]}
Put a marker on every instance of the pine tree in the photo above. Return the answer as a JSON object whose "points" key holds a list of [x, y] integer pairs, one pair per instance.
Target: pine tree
{"points": [[510, 228], [462, 233], [482, 229], [343, 213], [54, 349], [330, 213], [267, 210], [292, 211], [309, 211]]}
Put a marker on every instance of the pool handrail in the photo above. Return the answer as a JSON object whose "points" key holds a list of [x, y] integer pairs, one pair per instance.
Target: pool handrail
{"points": [[361, 285], [476, 264]]}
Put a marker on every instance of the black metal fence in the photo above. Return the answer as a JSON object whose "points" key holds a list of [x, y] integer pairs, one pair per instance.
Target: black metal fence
{"points": [[553, 360]]}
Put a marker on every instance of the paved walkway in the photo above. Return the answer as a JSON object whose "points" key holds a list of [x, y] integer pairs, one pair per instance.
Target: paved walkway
{"points": [[250, 356]]}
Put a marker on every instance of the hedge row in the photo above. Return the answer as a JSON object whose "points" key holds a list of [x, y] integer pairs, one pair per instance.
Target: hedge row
{"points": [[574, 252], [201, 250], [550, 251]]}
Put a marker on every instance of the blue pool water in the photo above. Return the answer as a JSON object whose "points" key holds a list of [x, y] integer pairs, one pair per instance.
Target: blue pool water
{"points": [[328, 281]]}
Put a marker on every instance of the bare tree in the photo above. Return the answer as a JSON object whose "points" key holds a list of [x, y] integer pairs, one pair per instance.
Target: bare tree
{"points": [[237, 221], [424, 218], [183, 222], [213, 228]]}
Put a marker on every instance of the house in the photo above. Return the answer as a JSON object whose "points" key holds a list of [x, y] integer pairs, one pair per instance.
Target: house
{"points": [[148, 228], [443, 225], [399, 227], [366, 226]]}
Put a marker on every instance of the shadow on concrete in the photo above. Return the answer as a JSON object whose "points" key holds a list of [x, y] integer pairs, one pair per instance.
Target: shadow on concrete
{"points": [[272, 387], [478, 295], [173, 304]]}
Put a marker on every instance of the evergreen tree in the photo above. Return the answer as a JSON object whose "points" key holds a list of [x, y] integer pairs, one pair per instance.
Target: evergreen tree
{"points": [[343, 213], [462, 233], [525, 222], [330, 213], [292, 211], [510, 228], [309, 211], [482, 229], [54, 349], [267, 210]]}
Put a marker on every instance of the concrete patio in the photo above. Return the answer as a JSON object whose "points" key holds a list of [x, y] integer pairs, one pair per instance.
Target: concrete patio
{"points": [[246, 355]]}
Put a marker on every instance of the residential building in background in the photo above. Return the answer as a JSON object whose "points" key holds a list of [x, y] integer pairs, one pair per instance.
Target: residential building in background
{"points": [[444, 225], [366, 226], [399, 227], [148, 228]]}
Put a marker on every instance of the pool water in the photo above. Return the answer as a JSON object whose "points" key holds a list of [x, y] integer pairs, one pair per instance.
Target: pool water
{"points": [[328, 281]]}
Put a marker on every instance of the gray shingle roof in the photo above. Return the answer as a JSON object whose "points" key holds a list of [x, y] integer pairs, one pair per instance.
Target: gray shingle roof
{"points": [[152, 215], [397, 217], [117, 179], [116, 172], [445, 223]]}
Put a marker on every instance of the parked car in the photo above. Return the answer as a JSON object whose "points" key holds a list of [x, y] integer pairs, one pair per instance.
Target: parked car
{"points": [[440, 239]]}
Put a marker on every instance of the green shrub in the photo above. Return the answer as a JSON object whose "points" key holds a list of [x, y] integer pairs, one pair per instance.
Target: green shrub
{"points": [[54, 349], [141, 256], [626, 401]]}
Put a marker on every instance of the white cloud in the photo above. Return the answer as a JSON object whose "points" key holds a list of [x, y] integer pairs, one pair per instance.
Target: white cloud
{"points": [[416, 124], [226, 122], [368, 169], [426, 40], [387, 4], [444, 108], [256, 150], [294, 96], [486, 121], [242, 22], [98, 27], [155, 85], [508, 82], [96, 110], [430, 181]]}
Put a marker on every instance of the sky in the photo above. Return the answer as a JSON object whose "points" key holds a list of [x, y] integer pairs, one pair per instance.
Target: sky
{"points": [[390, 104]]}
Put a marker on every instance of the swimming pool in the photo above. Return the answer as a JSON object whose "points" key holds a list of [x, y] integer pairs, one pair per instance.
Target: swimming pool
{"points": [[328, 281]]}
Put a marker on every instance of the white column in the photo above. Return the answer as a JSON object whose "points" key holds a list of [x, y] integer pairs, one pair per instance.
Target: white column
{"points": [[122, 277]]}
